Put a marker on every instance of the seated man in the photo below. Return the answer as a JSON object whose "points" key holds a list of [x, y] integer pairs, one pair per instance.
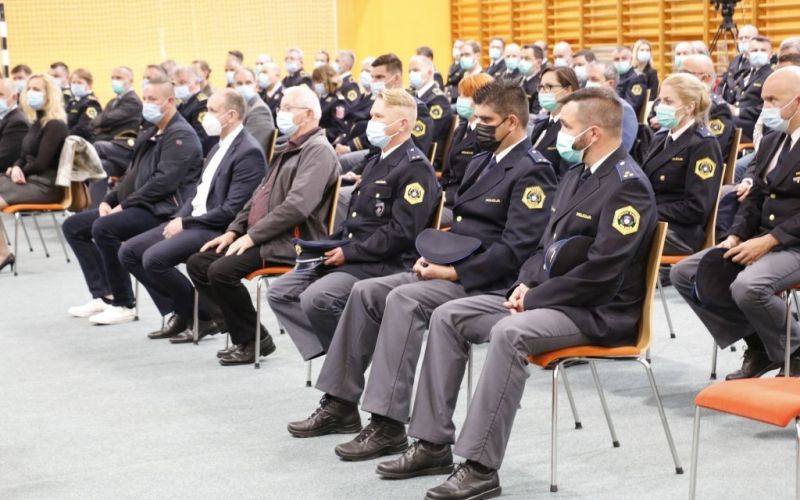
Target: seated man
{"points": [[739, 65], [193, 103], [394, 201], [765, 237], [258, 118], [631, 86], [600, 74], [234, 168], [425, 89], [292, 201], [598, 301], [504, 202], [167, 159], [295, 74], [748, 103], [13, 124]]}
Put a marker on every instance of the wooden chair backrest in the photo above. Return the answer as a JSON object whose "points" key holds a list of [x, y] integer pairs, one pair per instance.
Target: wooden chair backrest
{"points": [[651, 277], [730, 163]]}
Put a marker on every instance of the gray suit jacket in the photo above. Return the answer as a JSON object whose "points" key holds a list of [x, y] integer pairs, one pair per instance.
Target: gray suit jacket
{"points": [[258, 121]]}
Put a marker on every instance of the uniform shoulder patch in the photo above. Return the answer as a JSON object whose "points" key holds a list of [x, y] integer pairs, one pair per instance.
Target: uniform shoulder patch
{"points": [[705, 168], [91, 112], [202, 97], [414, 154], [537, 157], [626, 220], [414, 193], [636, 89], [352, 95], [533, 197], [716, 126], [201, 116], [436, 112], [626, 170], [419, 129]]}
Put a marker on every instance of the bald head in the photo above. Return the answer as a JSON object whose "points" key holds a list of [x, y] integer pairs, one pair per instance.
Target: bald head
{"points": [[747, 32], [780, 91]]}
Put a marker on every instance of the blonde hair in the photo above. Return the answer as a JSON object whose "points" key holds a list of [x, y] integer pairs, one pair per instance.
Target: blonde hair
{"points": [[54, 101], [691, 90], [638, 45], [401, 99]]}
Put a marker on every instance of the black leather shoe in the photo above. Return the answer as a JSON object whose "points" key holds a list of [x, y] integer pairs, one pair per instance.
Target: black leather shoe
{"points": [[245, 354], [420, 459], [227, 350], [754, 364], [382, 436], [467, 483], [174, 326], [332, 417], [205, 328], [8, 261]]}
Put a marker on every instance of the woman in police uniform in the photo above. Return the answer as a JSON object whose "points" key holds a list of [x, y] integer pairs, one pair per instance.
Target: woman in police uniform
{"points": [[326, 85], [84, 106], [684, 163], [555, 84]]}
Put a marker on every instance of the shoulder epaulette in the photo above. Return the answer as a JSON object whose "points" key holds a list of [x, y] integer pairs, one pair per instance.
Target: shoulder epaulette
{"points": [[414, 154], [202, 97], [704, 132], [537, 157], [626, 170]]}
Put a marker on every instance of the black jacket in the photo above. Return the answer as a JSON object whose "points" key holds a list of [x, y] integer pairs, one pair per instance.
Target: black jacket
{"points": [[748, 99], [41, 149], [298, 78], [333, 108], [80, 113], [632, 87], [727, 88], [531, 88], [462, 149], [650, 75], [193, 111], [13, 128], [454, 76], [548, 132], [497, 68], [121, 117], [350, 91], [721, 123], [442, 117]]}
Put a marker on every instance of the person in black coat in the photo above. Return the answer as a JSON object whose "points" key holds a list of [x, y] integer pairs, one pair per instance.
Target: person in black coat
{"points": [[235, 166], [497, 65], [643, 63], [193, 103], [530, 68], [555, 84], [720, 118], [739, 65], [425, 88], [84, 106], [748, 101], [455, 72], [631, 85], [271, 88], [167, 159], [326, 84], [13, 124], [295, 74]]}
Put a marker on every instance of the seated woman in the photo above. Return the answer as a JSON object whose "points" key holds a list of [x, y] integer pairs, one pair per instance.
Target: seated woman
{"points": [[462, 145], [554, 84], [643, 63], [684, 163], [32, 178], [326, 85], [84, 106]]}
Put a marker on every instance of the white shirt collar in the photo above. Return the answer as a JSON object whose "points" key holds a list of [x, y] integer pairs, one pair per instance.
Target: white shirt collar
{"points": [[425, 88], [389, 151], [346, 74], [795, 136], [502, 154], [597, 164], [675, 135], [225, 143]]}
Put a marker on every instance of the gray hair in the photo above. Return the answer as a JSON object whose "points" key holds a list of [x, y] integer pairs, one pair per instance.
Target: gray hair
{"points": [[348, 56], [610, 73], [304, 97]]}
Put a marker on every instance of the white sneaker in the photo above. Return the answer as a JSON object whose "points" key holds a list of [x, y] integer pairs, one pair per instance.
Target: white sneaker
{"points": [[91, 308], [114, 315]]}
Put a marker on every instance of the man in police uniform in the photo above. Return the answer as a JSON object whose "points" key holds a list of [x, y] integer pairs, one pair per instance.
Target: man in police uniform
{"points": [[720, 119], [345, 60], [455, 73], [193, 103], [739, 65], [497, 65], [295, 74], [84, 106], [204, 72], [765, 237], [631, 86], [269, 82], [530, 67], [394, 201], [747, 105], [503, 205], [60, 72], [597, 301], [425, 89]]}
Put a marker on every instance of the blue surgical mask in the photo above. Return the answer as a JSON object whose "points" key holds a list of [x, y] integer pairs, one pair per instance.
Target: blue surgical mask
{"points": [[416, 80], [565, 145], [512, 63], [643, 57], [580, 72], [743, 46], [336, 67], [246, 91], [495, 53], [622, 67], [259, 67], [376, 134], [182, 92], [291, 67], [467, 62], [548, 101], [3, 107], [464, 108], [667, 116], [678, 61], [35, 99], [365, 78], [319, 88], [78, 90], [152, 112], [561, 62], [772, 117], [145, 83], [285, 123], [759, 59], [525, 67], [20, 84], [118, 86], [263, 80], [229, 77], [377, 87]]}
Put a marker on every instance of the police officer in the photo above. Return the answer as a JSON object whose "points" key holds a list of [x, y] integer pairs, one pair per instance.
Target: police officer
{"points": [[501, 209], [748, 102], [84, 106], [555, 84], [193, 103], [293, 64], [765, 237], [271, 87], [394, 201], [720, 119], [331, 102], [357, 114], [632, 85], [530, 67], [420, 74], [511, 57], [60, 72], [204, 73], [596, 302], [497, 65], [427, 52], [455, 73], [684, 163], [345, 60], [738, 66]]}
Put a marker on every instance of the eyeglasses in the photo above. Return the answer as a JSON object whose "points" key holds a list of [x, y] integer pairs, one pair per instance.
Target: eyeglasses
{"points": [[698, 75], [548, 88], [290, 108]]}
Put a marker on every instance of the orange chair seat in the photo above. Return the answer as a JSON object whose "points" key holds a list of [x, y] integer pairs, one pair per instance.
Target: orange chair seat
{"points": [[33, 207], [671, 260], [583, 351], [773, 401], [269, 271]]}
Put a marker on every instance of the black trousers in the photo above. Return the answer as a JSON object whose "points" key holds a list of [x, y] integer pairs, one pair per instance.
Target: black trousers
{"points": [[218, 278]]}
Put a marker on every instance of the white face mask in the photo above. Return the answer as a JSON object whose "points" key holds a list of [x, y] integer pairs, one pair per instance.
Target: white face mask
{"points": [[212, 125]]}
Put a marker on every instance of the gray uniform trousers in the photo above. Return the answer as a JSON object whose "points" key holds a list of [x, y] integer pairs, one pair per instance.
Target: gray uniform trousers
{"points": [[392, 312], [476, 320], [754, 291], [308, 305]]}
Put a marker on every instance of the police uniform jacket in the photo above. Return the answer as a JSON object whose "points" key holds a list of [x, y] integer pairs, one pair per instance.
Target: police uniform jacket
{"points": [[332, 119], [194, 110], [273, 101], [66, 94], [650, 75], [356, 122], [727, 85], [543, 138], [507, 208], [295, 79], [497, 68], [530, 84], [773, 205], [632, 87], [685, 177], [454, 76], [721, 124], [602, 295], [421, 133], [164, 171], [395, 200], [462, 149], [80, 113], [441, 115], [350, 91], [120, 120], [13, 128], [748, 99]]}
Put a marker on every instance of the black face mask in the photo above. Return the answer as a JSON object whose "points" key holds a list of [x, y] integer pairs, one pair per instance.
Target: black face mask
{"points": [[486, 136]]}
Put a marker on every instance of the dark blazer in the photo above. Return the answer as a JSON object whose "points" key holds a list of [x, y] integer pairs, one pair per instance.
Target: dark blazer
{"points": [[194, 110], [274, 101], [547, 146], [298, 78], [441, 115], [727, 85], [773, 206], [498, 68], [237, 176], [650, 75], [333, 108], [121, 115], [604, 294], [454, 76], [685, 177], [462, 149], [748, 99], [41, 149], [721, 123], [507, 209], [393, 203], [531, 88], [631, 87], [164, 170], [350, 91], [80, 113], [13, 128]]}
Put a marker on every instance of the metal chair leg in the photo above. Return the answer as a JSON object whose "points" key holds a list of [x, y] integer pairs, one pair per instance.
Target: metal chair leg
{"points": [[578, 424], [714, 362], [696, 446], [136, 299], [797, 466], [469, 376], [16, 243], [663, 416], [308, 375], [257, 354], [25, 231], [554, 431], [59, 236], [601, 393], [666, 309], [41, 238], [195, 320]]}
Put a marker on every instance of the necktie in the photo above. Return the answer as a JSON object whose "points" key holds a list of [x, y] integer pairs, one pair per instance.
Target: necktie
{"points": [[783, 157], [669, 141], [488, 168], [585, 174], [747, 78]]}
